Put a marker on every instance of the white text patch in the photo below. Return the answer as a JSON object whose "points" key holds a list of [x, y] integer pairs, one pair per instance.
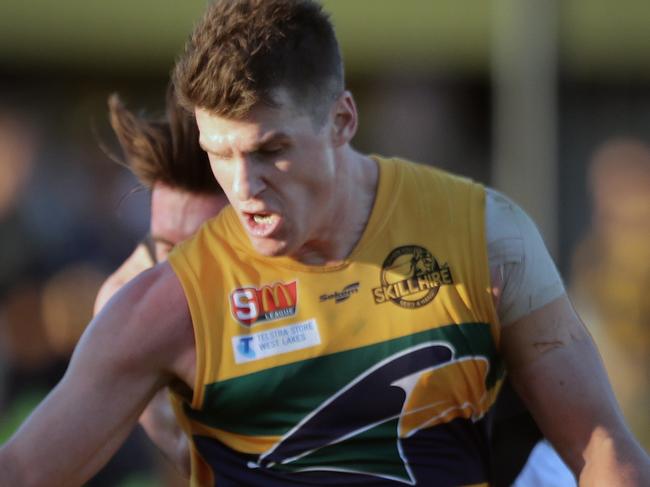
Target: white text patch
{"points": [[267, 343]]}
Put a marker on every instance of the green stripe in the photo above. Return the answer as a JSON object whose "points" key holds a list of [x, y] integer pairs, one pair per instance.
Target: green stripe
{"points": [[272, 401]]}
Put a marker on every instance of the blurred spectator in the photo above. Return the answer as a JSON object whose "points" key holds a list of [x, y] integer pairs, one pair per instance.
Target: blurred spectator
{"points": [[27, 361], [67, 306], [611, 274], [17, 148]]}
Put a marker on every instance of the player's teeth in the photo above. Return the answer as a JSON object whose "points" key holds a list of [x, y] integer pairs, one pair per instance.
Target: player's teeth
{"points": [[262, 218]]}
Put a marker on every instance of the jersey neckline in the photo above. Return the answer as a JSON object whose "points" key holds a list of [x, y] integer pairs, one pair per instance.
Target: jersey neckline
{"points": [[388, 185]]}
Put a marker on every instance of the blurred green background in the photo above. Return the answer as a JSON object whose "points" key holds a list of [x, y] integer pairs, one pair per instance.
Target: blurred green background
{"points": [[603, 38]]}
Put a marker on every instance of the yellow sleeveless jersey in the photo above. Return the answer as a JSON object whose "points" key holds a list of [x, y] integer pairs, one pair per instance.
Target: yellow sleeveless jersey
{"points": [[379, 371]]}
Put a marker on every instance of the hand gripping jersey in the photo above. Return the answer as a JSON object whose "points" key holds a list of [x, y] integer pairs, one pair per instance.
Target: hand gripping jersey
{"points": [[379, 371]]}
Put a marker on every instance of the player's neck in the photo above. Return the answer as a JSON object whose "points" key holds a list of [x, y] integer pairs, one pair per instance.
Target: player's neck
{"points": [[348, 215]]}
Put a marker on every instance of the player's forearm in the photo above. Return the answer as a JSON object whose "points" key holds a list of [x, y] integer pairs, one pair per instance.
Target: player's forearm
{"points": [[176, 450], [22, 463], [556, 369], [19, 468], [10, 471], [614, 460], [159, 422], [43, 453]]}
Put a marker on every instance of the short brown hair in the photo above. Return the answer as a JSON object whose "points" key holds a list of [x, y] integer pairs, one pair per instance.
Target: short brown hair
{"points": [[164, 150], [243, 50]]}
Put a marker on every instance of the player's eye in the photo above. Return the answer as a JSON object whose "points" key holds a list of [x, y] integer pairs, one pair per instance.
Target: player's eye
{"points": [[270, 151], [215, 158]]}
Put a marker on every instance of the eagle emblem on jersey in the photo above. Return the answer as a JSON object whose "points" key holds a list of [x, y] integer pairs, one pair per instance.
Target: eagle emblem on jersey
{"points": [[413, 384], [411, 277]]}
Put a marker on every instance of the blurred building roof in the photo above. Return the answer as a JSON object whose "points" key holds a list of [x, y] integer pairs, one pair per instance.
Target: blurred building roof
{"points": [[597, 38]]}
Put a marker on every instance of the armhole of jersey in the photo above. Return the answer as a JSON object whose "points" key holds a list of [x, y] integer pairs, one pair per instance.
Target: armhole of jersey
{"points": [[199, 469], [190, 283], [484, 273]]}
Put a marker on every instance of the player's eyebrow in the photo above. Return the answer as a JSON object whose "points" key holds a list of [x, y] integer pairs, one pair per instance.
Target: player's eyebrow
{"points": [[272, 137], [269, 137], [212, 151]]}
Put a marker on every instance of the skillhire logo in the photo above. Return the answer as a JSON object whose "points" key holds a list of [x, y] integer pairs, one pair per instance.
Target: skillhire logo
{"points": [[251, 306], [411, 277]]}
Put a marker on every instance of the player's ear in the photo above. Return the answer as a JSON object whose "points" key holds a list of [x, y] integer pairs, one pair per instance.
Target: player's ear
{"points": [[344, 113]]}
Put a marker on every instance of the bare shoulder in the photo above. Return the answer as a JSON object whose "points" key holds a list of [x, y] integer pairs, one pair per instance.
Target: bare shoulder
{"points": [[148, 321]]}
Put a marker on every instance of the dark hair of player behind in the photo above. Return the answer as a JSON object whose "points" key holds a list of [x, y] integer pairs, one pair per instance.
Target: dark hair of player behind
{"points": [[164, 150]]}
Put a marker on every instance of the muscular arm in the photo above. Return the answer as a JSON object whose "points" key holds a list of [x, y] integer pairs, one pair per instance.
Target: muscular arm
{"points": [[555, 368], [139, 343], [551, 359], [158, 419]]}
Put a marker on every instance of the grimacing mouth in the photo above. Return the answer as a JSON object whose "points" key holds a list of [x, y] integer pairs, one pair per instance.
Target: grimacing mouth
{"points": [[262, 218]]}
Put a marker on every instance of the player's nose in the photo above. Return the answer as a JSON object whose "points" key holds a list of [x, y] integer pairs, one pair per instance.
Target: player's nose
{"points": [[247, 180]]}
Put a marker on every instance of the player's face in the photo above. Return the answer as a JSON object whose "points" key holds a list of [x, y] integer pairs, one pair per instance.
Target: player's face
{"points": [[279, 172], [177, 215]]}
